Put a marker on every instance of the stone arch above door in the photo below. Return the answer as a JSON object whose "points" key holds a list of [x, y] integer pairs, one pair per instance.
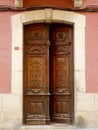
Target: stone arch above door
{"points": [[47, 16]]}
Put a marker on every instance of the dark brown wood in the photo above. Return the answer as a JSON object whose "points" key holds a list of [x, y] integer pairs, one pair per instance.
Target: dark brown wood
{"points": [[36, 71], [61, 73], [48, 91]]}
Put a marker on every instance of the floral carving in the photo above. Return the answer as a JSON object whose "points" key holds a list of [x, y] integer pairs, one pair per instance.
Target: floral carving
{"points": [[62, 37], [61, 73], [36, 73]]}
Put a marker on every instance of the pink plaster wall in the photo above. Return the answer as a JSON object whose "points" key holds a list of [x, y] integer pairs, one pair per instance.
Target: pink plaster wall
{"points": [[91, 49], [7, 2], [89, 2], [5, 52], [92, 52]]}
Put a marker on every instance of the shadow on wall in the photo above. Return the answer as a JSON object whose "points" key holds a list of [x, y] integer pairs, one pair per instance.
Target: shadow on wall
{"points": [[81, 123]]}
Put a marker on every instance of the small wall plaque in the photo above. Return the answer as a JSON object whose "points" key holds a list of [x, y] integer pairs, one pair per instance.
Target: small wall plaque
{"points": [[16, 48]]}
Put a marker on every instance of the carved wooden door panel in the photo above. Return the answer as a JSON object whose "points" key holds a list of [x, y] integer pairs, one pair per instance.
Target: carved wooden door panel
{"points": [[61, 73], [36, 74], [48, 74]]}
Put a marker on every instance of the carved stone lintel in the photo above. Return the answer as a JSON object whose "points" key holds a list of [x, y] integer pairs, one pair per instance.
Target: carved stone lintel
{"points": [[77, 3]]}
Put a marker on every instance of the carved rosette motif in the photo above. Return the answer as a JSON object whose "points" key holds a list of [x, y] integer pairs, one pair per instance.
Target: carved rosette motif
{"points": [[62, 38], [62, 44]]}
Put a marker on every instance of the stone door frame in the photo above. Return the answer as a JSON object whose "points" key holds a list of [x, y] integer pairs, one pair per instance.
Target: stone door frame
{"points": [[47, 16]]}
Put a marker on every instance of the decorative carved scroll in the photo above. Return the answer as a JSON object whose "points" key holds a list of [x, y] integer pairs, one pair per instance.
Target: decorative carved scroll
{"points": [[65, 50], [36, 49]]}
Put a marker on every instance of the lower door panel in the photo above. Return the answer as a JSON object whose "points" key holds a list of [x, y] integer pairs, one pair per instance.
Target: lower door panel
{"points": [[37, 109], [60, 106]]}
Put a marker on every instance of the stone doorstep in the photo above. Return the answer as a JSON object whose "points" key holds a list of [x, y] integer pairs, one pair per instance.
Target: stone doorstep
{"points": [[8, 126], [48, 127], [54, 127]]}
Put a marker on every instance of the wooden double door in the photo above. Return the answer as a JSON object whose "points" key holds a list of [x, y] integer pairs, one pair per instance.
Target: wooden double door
{"points": [[48, 74]]}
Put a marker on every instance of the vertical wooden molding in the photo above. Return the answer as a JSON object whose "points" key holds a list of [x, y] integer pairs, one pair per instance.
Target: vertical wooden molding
{"points": [[19, 3], [77, 3]]}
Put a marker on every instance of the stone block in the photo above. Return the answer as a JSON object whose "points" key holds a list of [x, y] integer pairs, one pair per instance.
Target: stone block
{"points": [[11, 102], [17, 39], [17, 82], [16, 21], [79, 82], [58, 15], [38, 16], [1, 101], [17, 60], [79, 59], [96, 103], [80, 41], [48, 15]]}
